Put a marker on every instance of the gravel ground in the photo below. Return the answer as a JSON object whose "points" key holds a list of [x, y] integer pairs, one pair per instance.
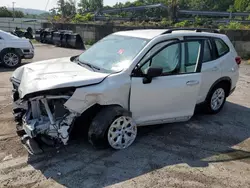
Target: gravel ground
{"points": [[207, 151]]}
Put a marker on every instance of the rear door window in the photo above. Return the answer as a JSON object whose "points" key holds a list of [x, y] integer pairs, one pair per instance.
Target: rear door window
{"points": [[207, 55], [221, 46], [207, 50]]}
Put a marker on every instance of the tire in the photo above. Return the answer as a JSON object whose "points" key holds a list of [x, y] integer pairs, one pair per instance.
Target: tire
{"points": [[221, 90], [6, 61], [110, 128]]}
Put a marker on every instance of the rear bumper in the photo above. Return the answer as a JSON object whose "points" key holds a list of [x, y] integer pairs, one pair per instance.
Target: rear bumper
{"points": [[232, 90]]}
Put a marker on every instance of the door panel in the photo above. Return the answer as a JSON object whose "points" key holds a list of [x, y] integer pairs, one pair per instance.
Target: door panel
{"points": [[165, 97], [171, 96], [211, 71]]}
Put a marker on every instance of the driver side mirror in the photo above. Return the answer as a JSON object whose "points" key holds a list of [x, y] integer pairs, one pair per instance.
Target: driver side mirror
{"points": [[151, 73]]}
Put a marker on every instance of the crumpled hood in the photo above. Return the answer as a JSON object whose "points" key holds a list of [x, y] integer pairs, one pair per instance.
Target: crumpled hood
{"points": [[53, 74]]}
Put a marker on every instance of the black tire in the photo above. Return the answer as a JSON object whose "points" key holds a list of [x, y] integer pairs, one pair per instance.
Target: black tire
{"points": [[5, 53], [98, 130], [208, 103]]}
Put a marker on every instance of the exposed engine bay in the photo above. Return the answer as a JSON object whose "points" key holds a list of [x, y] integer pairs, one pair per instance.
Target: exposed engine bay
{"points": [[43, 117]]}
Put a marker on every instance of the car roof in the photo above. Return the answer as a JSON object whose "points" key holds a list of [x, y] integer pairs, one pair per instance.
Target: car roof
{"points": [[142, 33], [152, 33]]}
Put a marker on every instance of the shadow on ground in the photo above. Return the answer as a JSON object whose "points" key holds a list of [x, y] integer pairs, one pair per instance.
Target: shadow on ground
{"points": [[202, 140], [4, 69]]}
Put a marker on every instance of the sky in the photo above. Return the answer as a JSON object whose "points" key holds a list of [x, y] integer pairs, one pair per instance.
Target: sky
{"points": [[41, 4]]}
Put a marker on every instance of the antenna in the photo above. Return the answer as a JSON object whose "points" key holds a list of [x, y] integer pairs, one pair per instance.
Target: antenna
{"points": [[13, 7], [46, 5]]}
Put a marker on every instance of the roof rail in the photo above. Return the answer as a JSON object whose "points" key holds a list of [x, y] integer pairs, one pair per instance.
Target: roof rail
{"points": [[192, 29]]}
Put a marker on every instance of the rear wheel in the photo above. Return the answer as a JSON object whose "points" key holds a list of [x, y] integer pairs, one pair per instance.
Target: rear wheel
{"points": [[10, 58], [216, 99]]}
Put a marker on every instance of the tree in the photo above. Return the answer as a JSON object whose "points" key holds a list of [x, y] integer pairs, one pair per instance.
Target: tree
{"points": [[90, 5], [70, 8], [84, 5], [66, 8], [61, 5], [242, 5], [4, 12], [19, 14]]}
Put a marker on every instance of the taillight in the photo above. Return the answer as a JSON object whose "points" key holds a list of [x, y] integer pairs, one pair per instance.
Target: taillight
{"points": [[32, 45], [238, 60]]}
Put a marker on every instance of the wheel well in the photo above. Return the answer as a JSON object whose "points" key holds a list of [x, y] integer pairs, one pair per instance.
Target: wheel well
{"points": [[82, 123], [17, 50], [224, 81], [227, 84]]}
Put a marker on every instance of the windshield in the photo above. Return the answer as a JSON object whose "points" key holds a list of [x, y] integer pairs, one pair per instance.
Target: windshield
{"points": [[113, 53]]}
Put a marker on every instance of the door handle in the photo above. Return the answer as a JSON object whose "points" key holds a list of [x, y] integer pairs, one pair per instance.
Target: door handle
{"points": [[215, 69], [192, 82]]}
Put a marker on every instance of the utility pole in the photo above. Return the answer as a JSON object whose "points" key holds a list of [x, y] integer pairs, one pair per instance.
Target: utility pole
{"points": [[13, 6]]}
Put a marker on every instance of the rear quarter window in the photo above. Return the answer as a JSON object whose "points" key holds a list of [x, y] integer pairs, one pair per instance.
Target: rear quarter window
{"points": [[222, 47]]}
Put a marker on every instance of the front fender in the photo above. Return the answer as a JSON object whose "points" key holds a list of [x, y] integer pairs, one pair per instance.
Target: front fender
{"points": [[112, 91]]}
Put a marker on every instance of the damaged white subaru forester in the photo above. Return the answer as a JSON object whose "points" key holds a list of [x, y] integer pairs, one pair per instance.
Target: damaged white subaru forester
{"points": [[127, 79]]}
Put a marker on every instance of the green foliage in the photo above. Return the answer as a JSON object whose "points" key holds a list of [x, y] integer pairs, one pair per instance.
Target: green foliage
{"points": [[219, 5], [234, 26], [242, 5], [4, 12], [87, 5], [166, 22], [89, 42], [66, 8], [82, 18], [184, 23], [198, 21]]}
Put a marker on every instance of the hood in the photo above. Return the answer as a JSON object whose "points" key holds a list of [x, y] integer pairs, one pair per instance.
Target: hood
{"points": [[54, 74]]}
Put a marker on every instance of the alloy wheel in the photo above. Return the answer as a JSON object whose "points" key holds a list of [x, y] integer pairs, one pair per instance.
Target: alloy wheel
{"points": [[11, 59], [217, 99], [122, 132]]}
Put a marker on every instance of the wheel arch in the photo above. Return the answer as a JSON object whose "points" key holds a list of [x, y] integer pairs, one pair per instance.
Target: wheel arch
{"points": [[226, 80], [17, 50], [83, 121]]}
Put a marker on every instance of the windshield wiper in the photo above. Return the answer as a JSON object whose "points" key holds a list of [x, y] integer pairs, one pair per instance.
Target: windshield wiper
{"points": [[88, 64]]}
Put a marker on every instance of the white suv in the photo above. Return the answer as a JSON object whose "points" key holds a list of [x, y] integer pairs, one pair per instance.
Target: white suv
{"points": [[13, 49], [127, 79]]}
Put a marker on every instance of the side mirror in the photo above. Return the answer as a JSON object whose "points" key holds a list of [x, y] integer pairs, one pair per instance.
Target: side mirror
{"points": [[73, 58], [154, 72], [151, 73]]}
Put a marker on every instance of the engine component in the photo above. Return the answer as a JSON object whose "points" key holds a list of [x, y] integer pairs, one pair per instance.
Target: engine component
{"points": [[47, 116]]}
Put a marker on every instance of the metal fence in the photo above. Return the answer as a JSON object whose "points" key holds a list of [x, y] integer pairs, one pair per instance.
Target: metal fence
{"points": [[8, 24]]}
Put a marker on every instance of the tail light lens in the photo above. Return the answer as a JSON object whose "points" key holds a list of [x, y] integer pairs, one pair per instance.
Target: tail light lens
{"points": [[238, 60], [32, 45]]}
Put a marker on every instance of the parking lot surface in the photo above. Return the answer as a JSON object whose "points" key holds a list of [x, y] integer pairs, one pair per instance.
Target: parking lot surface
{"points": [[207, 151]]}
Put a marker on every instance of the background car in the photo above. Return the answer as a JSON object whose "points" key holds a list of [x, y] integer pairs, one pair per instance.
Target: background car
{"points": [[13, 49]]}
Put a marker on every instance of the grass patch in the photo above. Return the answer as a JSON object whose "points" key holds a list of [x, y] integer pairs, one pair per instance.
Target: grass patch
{"points": [[34, 41]]}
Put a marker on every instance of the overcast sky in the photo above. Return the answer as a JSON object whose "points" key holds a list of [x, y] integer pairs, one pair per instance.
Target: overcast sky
{"points": [[41, 4]]}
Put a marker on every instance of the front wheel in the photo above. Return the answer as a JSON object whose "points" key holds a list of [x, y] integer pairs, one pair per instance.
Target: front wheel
{"points": [[10, 58], [216, 99], [113, 126]]}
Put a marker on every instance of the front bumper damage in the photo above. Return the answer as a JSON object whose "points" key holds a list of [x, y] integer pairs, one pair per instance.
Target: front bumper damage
{"points": [[43, 118]]}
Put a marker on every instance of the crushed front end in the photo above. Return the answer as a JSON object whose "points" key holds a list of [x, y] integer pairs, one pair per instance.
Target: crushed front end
{"points": [[42, 118]]}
